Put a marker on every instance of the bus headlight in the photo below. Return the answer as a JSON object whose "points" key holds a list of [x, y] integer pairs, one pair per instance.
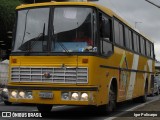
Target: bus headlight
{"points": [[74, 96], [29, 95], [21, 94], [65, 96], [5, 90], [84, 97], [14, 94]]}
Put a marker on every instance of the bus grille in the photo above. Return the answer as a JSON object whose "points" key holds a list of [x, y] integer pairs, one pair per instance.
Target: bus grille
{"points": [[54, 74]]}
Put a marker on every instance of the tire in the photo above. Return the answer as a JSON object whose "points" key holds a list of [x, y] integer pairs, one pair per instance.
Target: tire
{"points": [[152, 94], [44, 108], [111, 106], [157, 92], [7, 103], [112, 100]]}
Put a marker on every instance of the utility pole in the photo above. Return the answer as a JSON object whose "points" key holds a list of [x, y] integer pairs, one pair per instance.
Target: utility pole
{"points": [[152, 3]]}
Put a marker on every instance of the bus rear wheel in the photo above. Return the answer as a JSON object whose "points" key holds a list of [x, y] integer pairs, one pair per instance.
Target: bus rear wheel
{"points": [[144, 97], [44, 108]]}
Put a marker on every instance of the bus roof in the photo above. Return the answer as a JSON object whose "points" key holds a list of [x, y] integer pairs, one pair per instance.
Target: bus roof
{"points": [[104, 9]]}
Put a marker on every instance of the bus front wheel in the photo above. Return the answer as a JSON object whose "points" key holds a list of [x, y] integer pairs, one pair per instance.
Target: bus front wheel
{"points": [[112, 100], [111, 105], [7, 103]]}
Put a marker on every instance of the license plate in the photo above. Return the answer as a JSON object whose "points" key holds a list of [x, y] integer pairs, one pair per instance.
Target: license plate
{"points": [[46, 95]]}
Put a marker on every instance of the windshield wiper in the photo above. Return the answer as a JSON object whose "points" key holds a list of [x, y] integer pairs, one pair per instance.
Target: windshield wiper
{"points": [[60, 44], [64, 48]]}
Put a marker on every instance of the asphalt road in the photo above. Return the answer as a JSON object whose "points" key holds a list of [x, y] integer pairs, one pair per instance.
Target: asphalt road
{"points": [[68, 112]]}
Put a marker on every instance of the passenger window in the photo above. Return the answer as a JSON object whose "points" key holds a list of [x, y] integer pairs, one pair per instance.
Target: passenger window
{"points": [[152, 51], [128, 38], [136, 42], [118, 33], [105, 27], [106, 48], [105, 35], [142, 42], [121, 35], [148, 48]]}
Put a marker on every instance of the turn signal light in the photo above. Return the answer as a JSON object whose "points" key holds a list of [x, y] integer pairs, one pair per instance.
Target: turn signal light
{"points": [[14, 60], [84, 60]]}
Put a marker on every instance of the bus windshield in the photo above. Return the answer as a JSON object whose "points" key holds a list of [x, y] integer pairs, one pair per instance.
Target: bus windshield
{"points": [[32, 30], [70, 30]]}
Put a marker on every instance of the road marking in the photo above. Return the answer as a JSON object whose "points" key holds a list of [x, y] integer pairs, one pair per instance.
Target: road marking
{"points": [[131, 109]]}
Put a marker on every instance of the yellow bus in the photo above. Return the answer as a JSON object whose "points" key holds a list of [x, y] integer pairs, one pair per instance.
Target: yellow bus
{"points": [[77, 53]]}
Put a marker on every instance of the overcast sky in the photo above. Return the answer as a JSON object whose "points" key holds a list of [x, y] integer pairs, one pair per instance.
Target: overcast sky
{"points": [[145, 14]]}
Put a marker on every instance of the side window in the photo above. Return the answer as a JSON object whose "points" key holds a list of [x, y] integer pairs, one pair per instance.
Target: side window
{"points": [[142, 43], [152, 51], [136, 42], [121, 35], [128, 38], [105, 35], [106, 48], [105, 26], [118, 33], [148, 48]]}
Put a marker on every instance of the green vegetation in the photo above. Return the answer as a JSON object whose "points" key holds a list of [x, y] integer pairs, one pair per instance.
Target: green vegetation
{"points": [[7, 18]]}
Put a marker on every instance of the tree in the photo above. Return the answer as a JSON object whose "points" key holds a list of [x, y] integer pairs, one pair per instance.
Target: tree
{"points": [[7, 18]]}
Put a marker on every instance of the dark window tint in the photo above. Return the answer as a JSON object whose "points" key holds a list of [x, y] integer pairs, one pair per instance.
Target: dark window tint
{"points": [[106, 47], [152, 51], [118, 33], [148, 48], [121, 35], [105, 26], [128, 38], [105, 35], [136, 42], [142, 43]]}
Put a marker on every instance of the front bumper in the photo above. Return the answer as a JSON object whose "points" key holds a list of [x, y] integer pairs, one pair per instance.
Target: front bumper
{"points": [[54, 95]]}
